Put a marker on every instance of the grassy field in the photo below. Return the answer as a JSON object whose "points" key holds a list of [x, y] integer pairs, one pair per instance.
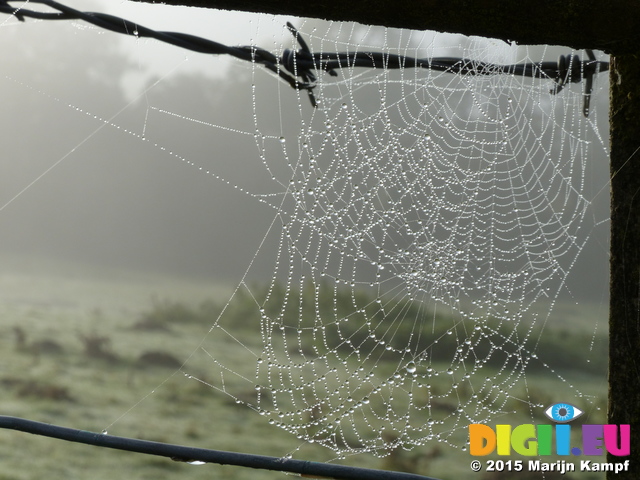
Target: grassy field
{"points": [[75, 351]]}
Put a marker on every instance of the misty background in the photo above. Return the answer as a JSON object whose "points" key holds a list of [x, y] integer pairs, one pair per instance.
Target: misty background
{"points": [[76, 189]]}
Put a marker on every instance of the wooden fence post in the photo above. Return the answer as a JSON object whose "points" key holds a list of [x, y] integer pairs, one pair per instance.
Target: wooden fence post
{"points": [[624, 303]]}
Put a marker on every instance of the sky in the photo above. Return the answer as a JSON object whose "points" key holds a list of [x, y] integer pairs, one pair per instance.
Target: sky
{"points": [[81, 179]]}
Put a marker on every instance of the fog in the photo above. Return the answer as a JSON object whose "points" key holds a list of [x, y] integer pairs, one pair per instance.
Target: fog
{"points": [[76, 188]]}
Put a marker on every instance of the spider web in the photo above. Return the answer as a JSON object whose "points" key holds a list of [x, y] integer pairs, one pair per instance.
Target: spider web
{"points": [[431, 212], [420, 220], [420, 227]]}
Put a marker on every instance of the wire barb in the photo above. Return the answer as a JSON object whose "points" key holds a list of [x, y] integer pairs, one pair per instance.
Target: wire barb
{"points": [[571, 70], [297, 67]]}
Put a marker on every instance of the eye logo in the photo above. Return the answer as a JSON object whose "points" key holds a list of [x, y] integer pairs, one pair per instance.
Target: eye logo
{"points": [[562, 412]]}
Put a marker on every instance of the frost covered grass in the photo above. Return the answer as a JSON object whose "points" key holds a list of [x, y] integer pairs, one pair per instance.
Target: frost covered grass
{"points": [[104, 353]]}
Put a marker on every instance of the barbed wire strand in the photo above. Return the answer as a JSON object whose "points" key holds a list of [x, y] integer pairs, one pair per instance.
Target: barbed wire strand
{"points": [[297, 67]]}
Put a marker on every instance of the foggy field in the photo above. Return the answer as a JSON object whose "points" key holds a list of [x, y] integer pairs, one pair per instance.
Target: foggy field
{"points": [[71, 349]]}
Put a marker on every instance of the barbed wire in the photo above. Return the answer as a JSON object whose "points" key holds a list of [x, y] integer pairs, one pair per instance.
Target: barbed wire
{"points": [[298, 67]]}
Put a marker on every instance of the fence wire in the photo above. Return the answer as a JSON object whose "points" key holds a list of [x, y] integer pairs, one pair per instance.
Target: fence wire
{"points": [[201, 455], [298, 67]]}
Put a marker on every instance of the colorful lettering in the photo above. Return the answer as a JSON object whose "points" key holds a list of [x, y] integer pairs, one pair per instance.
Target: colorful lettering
{"points": [[530, 440], [482, 439], [611, 440]]}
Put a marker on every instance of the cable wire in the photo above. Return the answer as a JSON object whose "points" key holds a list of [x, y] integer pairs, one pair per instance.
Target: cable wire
{"points": [[181, 453]]}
